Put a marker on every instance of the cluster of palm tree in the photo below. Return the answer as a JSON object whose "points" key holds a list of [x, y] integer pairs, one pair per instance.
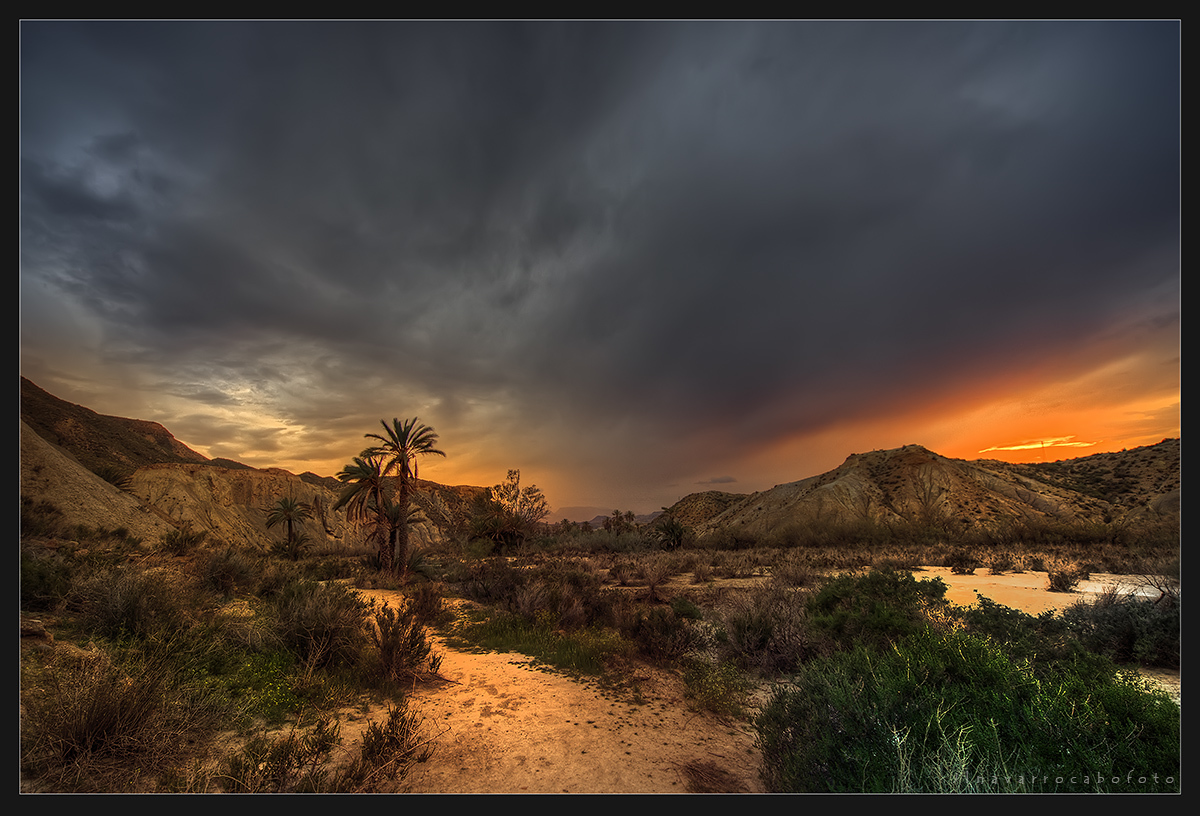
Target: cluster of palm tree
{"points": [[366, 496]]}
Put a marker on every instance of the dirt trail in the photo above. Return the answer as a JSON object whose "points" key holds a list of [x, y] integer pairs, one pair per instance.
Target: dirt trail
{"points": [[504, 727]]}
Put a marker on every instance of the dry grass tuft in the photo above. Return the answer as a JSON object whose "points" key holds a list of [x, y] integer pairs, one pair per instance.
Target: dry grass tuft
{"points": [[704, 776]]}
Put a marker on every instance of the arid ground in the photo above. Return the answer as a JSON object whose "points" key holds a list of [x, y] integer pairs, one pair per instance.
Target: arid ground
{"points": [[503, 726]]}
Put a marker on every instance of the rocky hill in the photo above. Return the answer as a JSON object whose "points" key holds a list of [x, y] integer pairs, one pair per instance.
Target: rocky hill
{"points": [[66, 449], [913, 484], [98, 442]]}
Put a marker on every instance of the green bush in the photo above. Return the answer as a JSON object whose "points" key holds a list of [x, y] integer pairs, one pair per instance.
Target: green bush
{"points": [[902, 719], [875, 608], [720, 688], [1038, 638]]}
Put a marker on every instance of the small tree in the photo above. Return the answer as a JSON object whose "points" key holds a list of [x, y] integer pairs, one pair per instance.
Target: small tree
{"points": [[509, 513], [289, 512], [671, 532]]}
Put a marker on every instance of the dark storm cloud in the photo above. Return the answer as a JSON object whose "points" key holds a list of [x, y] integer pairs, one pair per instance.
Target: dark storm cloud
{"points": [[641, 230], [718, 480]]}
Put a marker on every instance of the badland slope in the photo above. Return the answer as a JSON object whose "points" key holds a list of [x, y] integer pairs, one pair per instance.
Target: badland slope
{"points": [[912, 484], [161, 484]]}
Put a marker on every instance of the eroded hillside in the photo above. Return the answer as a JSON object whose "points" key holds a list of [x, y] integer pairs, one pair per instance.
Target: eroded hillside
{"points": [[915, 485]]}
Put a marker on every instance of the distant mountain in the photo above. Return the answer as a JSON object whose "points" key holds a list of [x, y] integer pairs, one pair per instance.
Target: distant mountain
{"points": [[97, 441], [915, 484]]}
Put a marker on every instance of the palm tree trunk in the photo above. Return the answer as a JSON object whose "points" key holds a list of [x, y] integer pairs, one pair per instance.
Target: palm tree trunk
{"points": [[381, 532], [402, 529]]}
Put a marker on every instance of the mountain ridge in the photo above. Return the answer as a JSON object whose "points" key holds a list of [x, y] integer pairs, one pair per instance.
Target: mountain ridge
{"points": [[179, 486], [913, 484]]}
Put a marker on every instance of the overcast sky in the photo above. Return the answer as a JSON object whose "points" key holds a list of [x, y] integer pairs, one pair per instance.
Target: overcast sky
{"points": [[632, 260]]}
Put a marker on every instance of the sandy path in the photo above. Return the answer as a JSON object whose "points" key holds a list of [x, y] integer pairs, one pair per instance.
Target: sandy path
{"points": [[501, 726], [504, 727]]}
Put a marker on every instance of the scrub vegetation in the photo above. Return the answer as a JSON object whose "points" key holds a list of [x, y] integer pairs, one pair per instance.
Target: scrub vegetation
{"points": [[191, 665]]}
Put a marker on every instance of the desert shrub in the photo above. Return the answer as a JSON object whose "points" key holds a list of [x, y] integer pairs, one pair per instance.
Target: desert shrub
{"points": [[655, 573], [492, 582], [1034, 562], [563, 591], [728, 539], [328, 569], [427, 602], [405, 652], [720, 688], [684, 608], [623, 572], [1002, 562], [1128, 629], [738, 564], [292, 763], [132, 602], [1036, 638], [117, 476], [45, 579], [90, 723], [961, 562], [874, 608], [869, 720], [796, 570], [388, 752], [274, 575], [766, 630], [660, 634], [182, 540], [229, 569], [1064, 577], [322, 624]]}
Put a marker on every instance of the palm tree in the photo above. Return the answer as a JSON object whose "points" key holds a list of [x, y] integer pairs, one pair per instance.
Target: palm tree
{"points": [[398, 448], [289, 512], [363, 499], [398, 517]]}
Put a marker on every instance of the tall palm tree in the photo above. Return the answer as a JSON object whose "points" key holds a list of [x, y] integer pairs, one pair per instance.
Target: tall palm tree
{"points": [[399, 446], [289, 512], [363, 499]]}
